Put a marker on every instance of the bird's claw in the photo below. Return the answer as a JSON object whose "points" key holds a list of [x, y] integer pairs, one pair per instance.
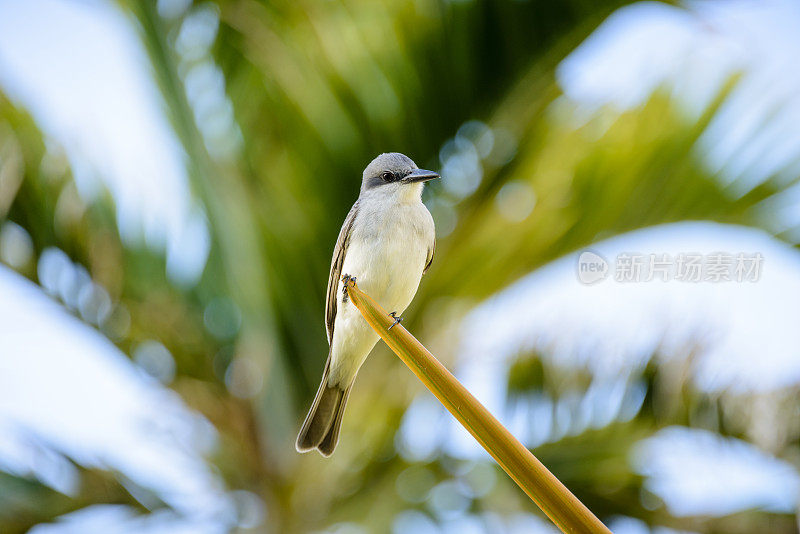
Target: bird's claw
{"points": [[397, 320], [345, 280]]}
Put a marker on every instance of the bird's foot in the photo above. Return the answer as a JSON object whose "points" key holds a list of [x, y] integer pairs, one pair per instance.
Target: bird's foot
{"points": [[397, 320], [345, 280]]}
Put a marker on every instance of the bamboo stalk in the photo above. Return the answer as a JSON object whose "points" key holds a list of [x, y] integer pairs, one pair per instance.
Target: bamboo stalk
{"points": [[549, 494]]}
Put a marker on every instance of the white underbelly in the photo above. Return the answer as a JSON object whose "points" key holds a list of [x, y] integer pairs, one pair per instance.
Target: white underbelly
{"points": [[388, 269]]}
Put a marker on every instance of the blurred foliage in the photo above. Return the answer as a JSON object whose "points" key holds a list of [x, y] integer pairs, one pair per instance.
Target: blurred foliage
{"points": [[317, 89]]}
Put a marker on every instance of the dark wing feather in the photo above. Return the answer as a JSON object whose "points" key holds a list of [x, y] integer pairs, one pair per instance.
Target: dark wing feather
{"points": [[336, 270], [431, 251]]}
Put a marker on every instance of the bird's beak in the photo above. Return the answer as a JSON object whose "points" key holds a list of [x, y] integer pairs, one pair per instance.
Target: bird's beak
{"points": [[419, 175]]}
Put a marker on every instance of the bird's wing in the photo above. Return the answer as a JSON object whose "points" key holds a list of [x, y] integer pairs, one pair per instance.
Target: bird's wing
{"points": [[429, 260], [336, 270]]}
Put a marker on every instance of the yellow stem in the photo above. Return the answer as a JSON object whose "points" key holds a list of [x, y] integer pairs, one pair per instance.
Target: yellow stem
{"points": [[555, 500]]}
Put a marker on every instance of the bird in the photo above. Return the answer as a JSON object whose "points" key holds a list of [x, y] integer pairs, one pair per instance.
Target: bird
{"points": [[386, 243]]}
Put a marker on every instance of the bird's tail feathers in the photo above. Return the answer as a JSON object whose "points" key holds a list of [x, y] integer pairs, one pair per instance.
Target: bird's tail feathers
{"points": [[321, 428]]}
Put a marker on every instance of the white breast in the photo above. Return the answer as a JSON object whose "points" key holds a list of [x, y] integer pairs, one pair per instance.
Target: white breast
{"points": [[388, 251]]}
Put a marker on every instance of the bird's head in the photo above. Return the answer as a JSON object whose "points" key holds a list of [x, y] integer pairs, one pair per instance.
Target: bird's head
{"points": [[395, 175]]}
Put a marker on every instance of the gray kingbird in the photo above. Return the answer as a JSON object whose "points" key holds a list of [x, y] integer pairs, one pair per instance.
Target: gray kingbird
{"points": [[386, 243]]}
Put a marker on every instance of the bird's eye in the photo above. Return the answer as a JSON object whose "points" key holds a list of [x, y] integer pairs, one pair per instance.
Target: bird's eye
{"points": [[387, 176]]}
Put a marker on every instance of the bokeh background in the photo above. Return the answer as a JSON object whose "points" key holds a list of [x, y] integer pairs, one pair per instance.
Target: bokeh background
{"points": [[173, 176]]}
